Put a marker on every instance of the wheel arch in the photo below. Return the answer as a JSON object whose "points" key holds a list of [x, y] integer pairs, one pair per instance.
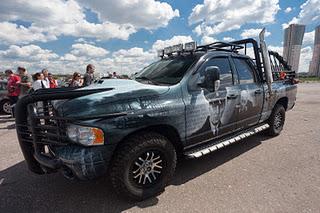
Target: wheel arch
{"points": [[284, 102], [166, 130]]}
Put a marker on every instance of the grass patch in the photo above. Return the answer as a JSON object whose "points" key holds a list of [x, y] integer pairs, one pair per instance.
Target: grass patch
{"points": [[309, 79]]}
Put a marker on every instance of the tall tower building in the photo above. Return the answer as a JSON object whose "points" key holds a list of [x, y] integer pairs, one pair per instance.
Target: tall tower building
{"points": [[314, 69], [293, 36]]}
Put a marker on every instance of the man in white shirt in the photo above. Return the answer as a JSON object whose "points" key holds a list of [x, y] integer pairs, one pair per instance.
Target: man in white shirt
{"points": [[46, 80]]}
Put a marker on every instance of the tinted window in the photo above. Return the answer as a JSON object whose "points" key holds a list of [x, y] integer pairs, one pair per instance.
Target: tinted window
{"points": [[225, 70], [167, 71], [244, 70]]}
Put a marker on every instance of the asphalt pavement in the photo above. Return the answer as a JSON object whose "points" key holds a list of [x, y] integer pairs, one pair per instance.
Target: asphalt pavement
{"points": [[260, 174]]}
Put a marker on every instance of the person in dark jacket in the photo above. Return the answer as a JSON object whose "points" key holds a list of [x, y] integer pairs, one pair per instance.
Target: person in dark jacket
{"points": [[88, 77], [26, 81]]}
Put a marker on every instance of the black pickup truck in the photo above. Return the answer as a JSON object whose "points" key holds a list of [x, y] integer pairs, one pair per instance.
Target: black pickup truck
{"points": [[191, 102]]}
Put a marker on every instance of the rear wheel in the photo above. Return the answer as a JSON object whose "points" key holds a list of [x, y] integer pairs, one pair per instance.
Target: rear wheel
{"points": [[143, 166], [5, 106], [276, 120]]}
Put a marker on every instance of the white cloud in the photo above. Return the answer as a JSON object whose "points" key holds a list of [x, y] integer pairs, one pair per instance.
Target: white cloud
{"points": [[214, 17], [69, 57], [88, 50], [288, 10], [160, 44], [123, 61], [132, 60], [208, 40], [228, 39], [48, 19], [308, 38], [13, 34], [305, 58], [252, 33], [29, 52], [309, 14], [34, 58], [104, 31], [148, 14]]}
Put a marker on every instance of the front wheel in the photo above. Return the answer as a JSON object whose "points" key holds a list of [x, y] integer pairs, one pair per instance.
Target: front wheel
{"points": [[276, 120], [143, 166]]}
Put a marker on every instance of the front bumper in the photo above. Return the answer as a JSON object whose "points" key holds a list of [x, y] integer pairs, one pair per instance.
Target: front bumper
{"points": [[81, 162], [45, 145]]}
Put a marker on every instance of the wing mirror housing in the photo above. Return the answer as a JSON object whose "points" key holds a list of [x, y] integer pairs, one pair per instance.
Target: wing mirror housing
{"points": [[210, 79]]}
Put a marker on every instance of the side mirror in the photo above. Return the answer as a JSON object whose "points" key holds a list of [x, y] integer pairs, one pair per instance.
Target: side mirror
{"points": [[210, 79]]}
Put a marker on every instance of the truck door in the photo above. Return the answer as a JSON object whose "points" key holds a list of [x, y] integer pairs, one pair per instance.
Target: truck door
{"points": [[211, 114], [251, 93]]}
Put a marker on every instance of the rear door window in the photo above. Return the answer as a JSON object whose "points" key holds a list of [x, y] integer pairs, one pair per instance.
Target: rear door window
{"points": [[245, 71]]}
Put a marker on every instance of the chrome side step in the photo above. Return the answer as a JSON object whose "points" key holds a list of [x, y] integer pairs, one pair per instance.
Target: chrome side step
{"points": [[223, 143]]}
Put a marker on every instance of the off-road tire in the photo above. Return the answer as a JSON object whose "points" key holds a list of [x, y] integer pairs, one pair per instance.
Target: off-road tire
{"points": [[122, 172], [276, 120]]}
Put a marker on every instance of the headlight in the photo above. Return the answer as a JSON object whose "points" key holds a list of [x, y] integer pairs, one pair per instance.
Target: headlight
{"points": [[88, 136]]}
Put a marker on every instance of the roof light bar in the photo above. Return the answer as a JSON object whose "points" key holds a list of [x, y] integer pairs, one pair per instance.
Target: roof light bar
{"points": [[178, 48], [167, 50], [190, 46]]}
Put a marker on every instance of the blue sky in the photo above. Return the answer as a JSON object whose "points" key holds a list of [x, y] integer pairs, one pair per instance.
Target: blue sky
{"points": [[180, 26], [64, 35]]}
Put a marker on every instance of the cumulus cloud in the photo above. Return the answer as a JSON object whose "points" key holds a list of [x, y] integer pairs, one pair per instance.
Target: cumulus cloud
{"points": [[148, 14], [52, 18], [214, 17], [252, 33], [309, 14], [132, 60], [14, 34], [34, 58], [123, 61], [88, 50], [208, 40], [29, 52]]}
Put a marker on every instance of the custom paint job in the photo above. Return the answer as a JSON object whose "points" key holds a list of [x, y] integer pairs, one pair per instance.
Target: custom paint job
{"points": [[196, 115]]}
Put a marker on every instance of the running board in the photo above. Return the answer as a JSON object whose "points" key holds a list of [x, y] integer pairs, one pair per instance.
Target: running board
{"points": [[224, 142]]}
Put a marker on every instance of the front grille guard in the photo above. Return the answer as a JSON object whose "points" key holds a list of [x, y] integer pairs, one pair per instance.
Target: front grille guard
{"points": [[34, 129]]}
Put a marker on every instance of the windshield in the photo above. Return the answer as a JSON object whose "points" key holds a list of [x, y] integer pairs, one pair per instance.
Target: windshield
{"points": [[166, 71]]}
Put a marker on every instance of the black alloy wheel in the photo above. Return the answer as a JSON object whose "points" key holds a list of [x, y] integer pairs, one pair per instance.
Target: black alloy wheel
{"points": [[143, 165]]}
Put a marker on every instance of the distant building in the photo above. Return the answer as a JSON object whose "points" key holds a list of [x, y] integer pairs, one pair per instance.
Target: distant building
{"points": [[293, 36], [314, 69]]}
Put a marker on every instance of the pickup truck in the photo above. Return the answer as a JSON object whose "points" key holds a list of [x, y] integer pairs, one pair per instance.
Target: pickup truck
{"points": [[193, 101]]}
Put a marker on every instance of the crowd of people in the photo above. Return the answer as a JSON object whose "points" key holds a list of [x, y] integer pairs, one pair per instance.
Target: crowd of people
{"points": [[21, 83]]}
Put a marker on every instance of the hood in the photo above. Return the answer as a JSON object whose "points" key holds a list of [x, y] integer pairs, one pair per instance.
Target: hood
{"points": [[120, 98]]}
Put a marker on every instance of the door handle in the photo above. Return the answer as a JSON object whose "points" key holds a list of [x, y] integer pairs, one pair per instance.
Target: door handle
{"points": [[257, 92], [232, 96]]}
